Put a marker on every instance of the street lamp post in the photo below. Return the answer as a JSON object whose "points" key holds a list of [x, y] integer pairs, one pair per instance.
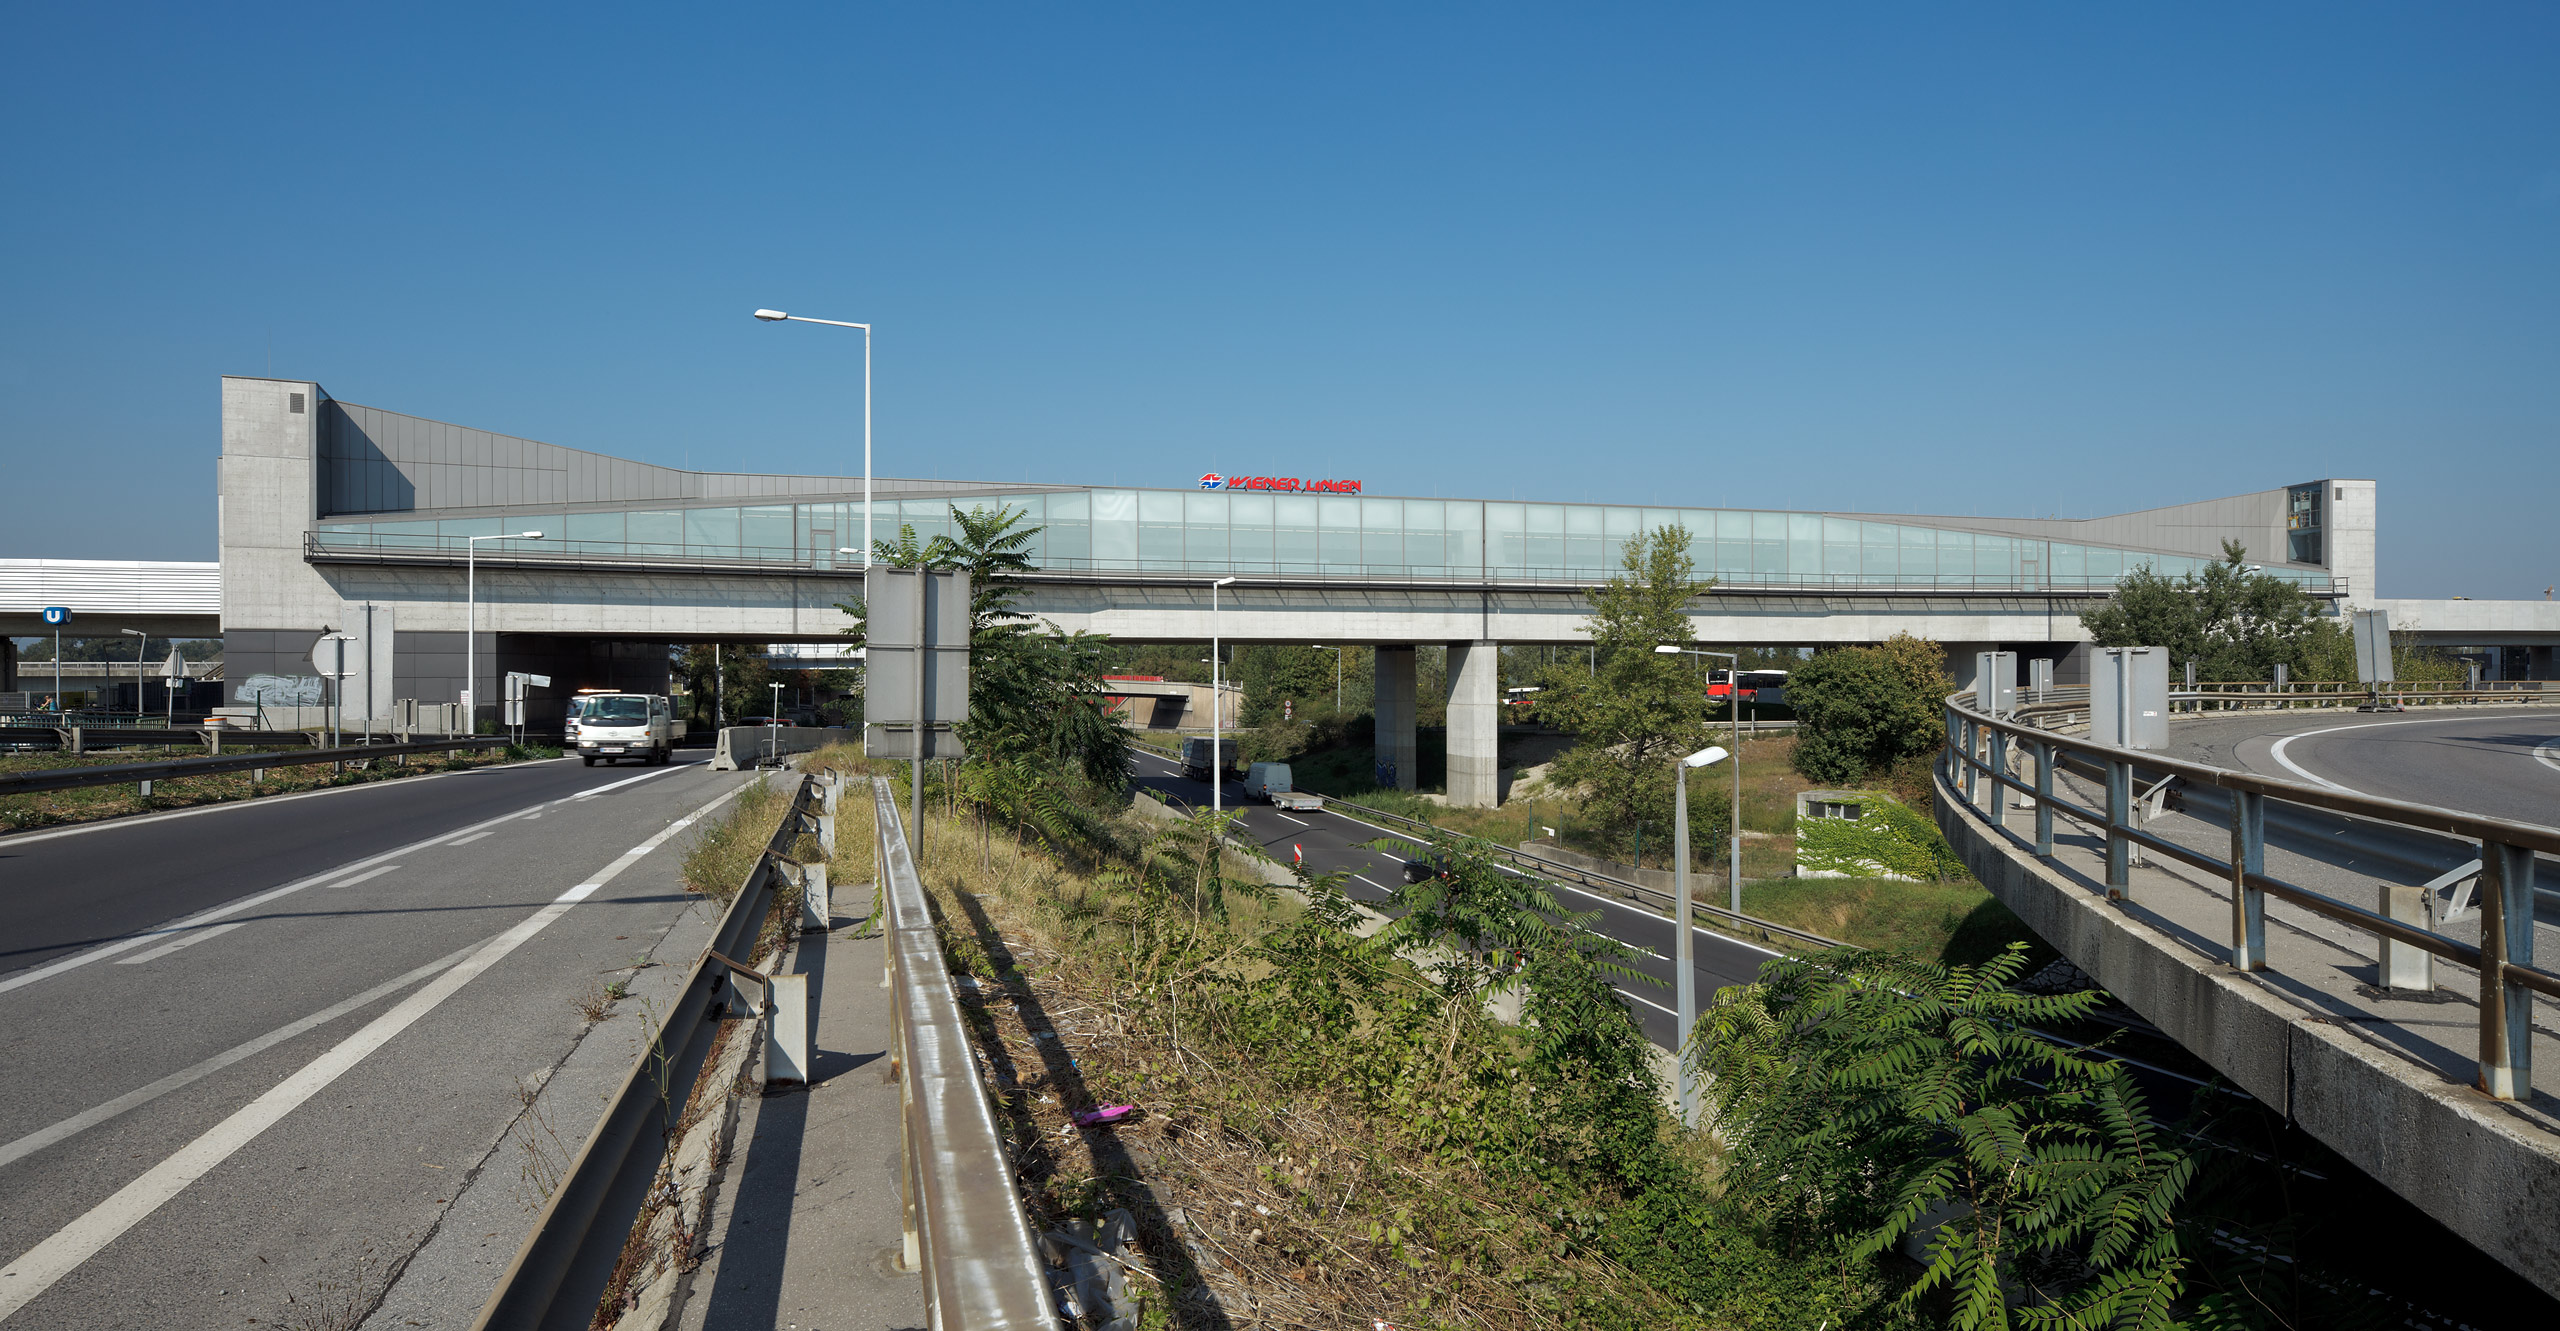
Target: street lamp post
{"points": [[1733, 703], [471, 623], [1684, 963], [777, 316], [773, 727], [141, 644], [1337, 676], [1217, 698]]}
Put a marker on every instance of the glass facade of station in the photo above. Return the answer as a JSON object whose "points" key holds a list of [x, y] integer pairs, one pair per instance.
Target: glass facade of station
{"points": [[1338, 536]]}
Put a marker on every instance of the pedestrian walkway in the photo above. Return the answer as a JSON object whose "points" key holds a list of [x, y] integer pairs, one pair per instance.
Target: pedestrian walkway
{"points": [[807, 1235]]}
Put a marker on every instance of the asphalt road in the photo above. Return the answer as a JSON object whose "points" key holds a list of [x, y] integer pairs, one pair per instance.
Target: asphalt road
{"points": [[2504, 764], [254, 1052], [1332, 841]]}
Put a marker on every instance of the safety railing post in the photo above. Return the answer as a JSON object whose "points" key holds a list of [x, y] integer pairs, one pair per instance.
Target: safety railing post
{"points": [[2248, 904], [2044, 798], [2119, 820], [1972, 743], [2506, 939], [1999, 769]]}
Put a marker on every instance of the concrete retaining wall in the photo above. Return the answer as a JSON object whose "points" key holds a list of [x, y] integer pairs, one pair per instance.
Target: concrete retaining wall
{"points": [[744, 746]]}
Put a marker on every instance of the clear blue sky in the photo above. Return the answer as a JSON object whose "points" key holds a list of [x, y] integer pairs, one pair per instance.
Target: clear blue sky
{"points": [[2014, 259]]}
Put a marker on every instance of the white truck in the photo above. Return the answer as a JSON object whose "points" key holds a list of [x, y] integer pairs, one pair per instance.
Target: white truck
{"points": [[1270, 782], [614, 726]]}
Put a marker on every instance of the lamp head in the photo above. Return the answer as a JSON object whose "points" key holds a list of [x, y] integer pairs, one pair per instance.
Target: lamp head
{"points": [[531, 535], [133, 633], [1222, 582], [1712, 753], [1666, 649], [771, 316]]}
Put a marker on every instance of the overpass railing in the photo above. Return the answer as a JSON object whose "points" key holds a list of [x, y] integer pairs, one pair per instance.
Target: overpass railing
{"points": [[1982, 750]]}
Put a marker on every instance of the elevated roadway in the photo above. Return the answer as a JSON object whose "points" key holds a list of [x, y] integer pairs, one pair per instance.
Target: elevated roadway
{"points": [[255, 1050]]}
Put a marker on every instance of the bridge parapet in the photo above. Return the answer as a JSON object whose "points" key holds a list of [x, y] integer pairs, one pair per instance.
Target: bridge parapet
{"points": [[2318, 1007]]}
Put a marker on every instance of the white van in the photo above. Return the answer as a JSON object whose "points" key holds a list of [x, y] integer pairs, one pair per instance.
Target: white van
{"points": [[614, 726], [1271, 782]]}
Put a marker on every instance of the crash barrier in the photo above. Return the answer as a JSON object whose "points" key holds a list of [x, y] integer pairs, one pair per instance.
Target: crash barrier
{"points": [[1981, 751], [742, 747], [966, 1233], [256, 764], [1716, 917], [2261, 696], [567, 1263], [81, 738]]}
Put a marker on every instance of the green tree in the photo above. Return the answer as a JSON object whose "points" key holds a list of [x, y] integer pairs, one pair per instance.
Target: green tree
{"points": [[1862, 710], [1639, 710], [2236, 623], [739, 672], [1881, 1095], [1033, 691], [1277, 679]]}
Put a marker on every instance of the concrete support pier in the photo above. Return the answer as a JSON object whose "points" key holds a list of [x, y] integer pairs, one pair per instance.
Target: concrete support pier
{"points": [[8, 665], [1475, 724], [1394, 706]]}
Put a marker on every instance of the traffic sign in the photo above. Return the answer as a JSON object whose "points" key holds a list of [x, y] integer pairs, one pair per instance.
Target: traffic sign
{"points": [[57, 615]]}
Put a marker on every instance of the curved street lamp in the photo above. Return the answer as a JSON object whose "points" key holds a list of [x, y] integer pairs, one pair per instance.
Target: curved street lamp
{"points": [[777, 316]]}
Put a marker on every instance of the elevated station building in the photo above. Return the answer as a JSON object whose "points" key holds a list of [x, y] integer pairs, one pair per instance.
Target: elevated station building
{"points": [[336, 516]]}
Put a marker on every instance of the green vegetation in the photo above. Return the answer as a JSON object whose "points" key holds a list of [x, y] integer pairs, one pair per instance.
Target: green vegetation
{"points": [[2237, 624], [1638, 711], [1861, 712], [1894, 1103], [1033, 695], [1398, 1152], [1886, 840]]}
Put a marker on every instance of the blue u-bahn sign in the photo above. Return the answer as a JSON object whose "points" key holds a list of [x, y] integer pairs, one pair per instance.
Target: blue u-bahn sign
{"points": [[57, 615]]}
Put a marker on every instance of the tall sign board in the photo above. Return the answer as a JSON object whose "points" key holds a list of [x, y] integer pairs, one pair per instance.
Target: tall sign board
{"points": [[1995, 682], [2129, 697], [2373, 646], [915, 630]]}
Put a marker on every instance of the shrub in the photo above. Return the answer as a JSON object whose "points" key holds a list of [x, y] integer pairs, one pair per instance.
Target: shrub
{"points": [[1861, 710]]}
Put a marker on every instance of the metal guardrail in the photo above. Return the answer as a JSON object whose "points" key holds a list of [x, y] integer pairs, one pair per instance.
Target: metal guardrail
{"points": [[1978, 751], [81, 737], [1722, 919], [965, 1227], [174, 769], [567, 1262]]}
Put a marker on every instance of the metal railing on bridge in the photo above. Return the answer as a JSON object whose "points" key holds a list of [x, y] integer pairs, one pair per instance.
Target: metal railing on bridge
{"points": [[254, 763], [1983, 749]]}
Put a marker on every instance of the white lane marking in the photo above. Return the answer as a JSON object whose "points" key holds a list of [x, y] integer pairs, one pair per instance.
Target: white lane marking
{"points": [[90, 1118], [1299, 821], [1604, 901], [184, 941], [1361, 877], [126, 944], [376, 872], [2277, 750], [26, 1279], [2549, 756], [262, 802], [467, 840], [1672, 1013], [630, 781]]}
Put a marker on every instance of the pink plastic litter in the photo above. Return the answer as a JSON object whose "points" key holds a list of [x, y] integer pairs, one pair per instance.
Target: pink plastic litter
{"points": [[1106, 1114]]}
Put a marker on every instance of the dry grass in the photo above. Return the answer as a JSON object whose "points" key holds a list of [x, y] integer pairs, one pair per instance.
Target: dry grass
{"points": [[1255, 1206]]}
